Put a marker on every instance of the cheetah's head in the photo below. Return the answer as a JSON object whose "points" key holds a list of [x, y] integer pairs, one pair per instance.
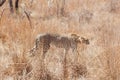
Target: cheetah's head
{"points": [[80, 39], [84, 40]]}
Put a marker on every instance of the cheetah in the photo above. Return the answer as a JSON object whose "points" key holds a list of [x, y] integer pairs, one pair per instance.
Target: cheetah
{"points": [[66, 42]]}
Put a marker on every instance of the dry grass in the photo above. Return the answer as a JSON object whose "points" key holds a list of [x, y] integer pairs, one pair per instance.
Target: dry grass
{"points": [[97, 20]]}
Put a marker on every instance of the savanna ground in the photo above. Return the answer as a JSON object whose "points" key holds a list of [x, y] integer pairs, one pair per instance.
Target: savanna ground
{"points": [[97, 20]]}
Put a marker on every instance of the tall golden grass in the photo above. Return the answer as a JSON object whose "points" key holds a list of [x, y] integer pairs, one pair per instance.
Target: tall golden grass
{"points": [[97, 20]]}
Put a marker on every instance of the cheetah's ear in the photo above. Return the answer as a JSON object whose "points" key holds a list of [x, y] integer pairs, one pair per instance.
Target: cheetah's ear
{"points": [[75, 36], [82, 38]]}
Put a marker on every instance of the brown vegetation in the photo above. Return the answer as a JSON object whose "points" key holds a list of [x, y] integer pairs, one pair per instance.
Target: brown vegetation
{"points": [[95, 20]]}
